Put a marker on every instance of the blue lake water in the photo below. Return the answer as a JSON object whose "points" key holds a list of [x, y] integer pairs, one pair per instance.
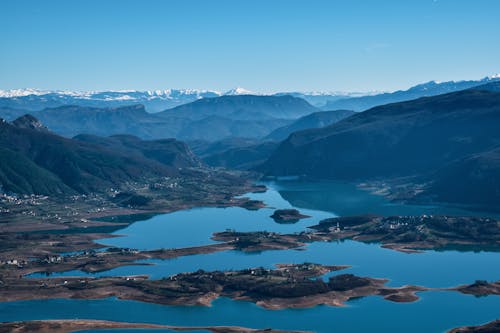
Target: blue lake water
{"points": [[435, 312]]}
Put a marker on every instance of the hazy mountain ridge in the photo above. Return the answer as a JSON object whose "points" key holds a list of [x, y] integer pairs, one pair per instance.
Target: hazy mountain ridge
{"points": [[313, 120], [431, 88], [208, 119], [244, 107], [153, 100]]}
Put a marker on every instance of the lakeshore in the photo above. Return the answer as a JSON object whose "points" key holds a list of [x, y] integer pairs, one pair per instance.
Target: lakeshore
{"points": [[91, 257]]}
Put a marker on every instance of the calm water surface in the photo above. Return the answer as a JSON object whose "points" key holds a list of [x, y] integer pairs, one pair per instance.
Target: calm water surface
{"points": [[435, 312]]}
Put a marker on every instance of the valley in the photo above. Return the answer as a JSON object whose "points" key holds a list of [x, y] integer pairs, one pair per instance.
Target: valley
{"points": [[249, 166], [268, 219]]}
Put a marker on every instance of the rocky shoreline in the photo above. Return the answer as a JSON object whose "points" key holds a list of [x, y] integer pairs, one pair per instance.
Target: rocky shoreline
{"points": [[491, 327]]}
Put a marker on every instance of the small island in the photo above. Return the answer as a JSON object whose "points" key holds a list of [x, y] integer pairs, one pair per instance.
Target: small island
{"points": [[286, 286], [480, 288], [287, 216]]}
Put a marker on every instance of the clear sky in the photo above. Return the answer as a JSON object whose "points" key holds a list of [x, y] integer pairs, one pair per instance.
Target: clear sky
{"points": [[263, 46]]}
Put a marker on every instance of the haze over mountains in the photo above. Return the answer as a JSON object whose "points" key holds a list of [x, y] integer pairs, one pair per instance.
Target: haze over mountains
{"points": [[428, 142], [205, 115], [159, 100], [431, 88], [154, 101], [209, 119]]}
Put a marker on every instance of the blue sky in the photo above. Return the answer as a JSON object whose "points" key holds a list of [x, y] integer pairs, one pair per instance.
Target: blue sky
{"points": [[264, 46]]}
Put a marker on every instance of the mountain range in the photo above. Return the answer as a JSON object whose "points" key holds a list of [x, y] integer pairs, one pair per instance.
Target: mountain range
{"points": [[153, 101], [432, 88], [209, 119], [444, 147], [159, 100]]}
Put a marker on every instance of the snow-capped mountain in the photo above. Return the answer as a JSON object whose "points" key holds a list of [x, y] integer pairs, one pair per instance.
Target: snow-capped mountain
{"points": [[159, 100], [431, 88], [167, 93], [154, 101], [239, 91]]}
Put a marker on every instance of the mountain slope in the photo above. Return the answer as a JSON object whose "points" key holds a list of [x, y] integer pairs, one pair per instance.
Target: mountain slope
{"points": [[170, 152], [243, 158], [412, 138], [313, 120], [44, 163], [475, 176], [19, 174], [134, 120], [215, 128]]}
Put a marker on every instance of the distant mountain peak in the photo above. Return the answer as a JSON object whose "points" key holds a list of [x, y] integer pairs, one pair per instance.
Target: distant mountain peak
{"points": [[239, 91], [30, 122]]}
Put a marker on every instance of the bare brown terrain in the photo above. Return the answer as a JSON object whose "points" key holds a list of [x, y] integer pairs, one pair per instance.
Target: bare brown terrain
{"points": [[68, 326], [491, 327]]}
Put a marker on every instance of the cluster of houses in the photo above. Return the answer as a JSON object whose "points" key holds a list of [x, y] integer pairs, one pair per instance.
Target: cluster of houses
{"points": [[336, 228], [14, 262], [53, 259], [393, 223], [162, 186], [24, 199]]}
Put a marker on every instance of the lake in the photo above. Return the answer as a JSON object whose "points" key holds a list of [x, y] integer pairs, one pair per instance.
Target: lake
{"points": [[435, 312]]}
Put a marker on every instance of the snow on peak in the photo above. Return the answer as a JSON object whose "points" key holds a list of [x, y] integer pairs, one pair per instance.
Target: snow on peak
{"points": [[494, 76], [239, 91], [22, 92]]}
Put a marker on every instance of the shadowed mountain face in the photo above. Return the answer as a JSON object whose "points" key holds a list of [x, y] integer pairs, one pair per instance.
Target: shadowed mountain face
{"points": [[243, 158], [35, 161], [214, 128], [208, 119], [476, 176], [234, 153], [457, 131], [134, 120], [314, 120], [422, 90], [169, 152]]}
